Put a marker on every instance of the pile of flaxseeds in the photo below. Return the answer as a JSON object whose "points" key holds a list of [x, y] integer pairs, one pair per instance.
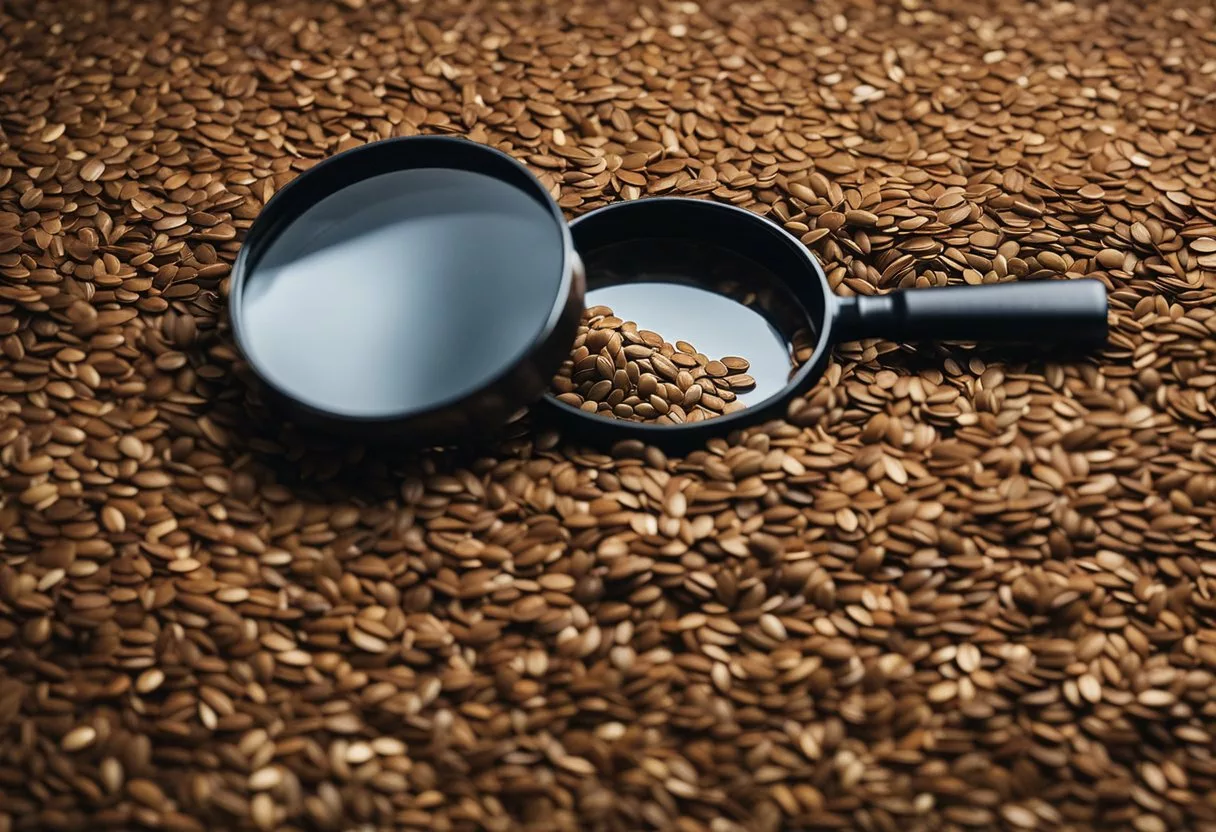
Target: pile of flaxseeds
{"points": [[618, 371], [954, 589]]}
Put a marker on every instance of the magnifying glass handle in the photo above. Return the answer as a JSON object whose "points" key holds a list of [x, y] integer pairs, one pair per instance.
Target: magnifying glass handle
{"points": [[1062, 311]]}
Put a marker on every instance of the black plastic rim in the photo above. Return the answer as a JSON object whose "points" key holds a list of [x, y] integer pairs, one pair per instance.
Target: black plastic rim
{"points": [[524, 376], [745, 233]]}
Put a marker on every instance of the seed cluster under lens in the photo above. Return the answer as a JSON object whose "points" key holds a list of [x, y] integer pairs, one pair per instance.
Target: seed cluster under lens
{"points": [[621, 372]]}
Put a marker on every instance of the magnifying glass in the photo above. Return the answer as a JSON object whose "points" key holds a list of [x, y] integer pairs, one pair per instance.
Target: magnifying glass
{"points": [[427, 288]]}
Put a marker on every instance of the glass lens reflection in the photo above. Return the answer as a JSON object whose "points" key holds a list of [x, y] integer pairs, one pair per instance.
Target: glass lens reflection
{"points": [[402, 291]]}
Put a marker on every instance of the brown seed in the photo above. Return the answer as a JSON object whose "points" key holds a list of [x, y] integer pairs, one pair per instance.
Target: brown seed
{"points": [[131, 447], [605, 367], [368, 642], [111, 774], [266, 778], [262, 811], [772, 626], [149, 680], [388, 746], [1156, 698], [294, 658], [92, 170], [599, 391], [663, 366], [596, 339], [78, 738], [942, 691], [968, 658], [647, 377], [146, 792], [1020, 817]]}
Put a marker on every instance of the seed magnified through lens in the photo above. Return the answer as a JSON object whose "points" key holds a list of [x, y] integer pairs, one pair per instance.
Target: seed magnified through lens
{"points": [[619, 371], [677, 332]]}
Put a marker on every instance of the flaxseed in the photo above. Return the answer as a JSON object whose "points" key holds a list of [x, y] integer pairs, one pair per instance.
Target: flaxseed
{"points": [[650, 386]]}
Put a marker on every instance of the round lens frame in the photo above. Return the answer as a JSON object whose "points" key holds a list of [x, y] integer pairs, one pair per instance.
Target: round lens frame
{"points": [[742, 232], [523, 378]]}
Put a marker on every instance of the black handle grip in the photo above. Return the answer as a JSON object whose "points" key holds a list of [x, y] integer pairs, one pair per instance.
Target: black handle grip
{"points": [[1072, 311]]}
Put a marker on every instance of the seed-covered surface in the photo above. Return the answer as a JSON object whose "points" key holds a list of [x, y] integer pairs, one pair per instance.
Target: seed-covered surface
{"points": [[956, 589], [618, 371]]}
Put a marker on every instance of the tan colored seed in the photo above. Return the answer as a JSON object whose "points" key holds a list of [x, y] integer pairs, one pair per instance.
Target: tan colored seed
{"points": [[78, 738], [968, 658], [266, 778], [1156, 698], [1020, 817], [368, 642], [645, 378], [663, 366], [262, 811], [149, 680]]}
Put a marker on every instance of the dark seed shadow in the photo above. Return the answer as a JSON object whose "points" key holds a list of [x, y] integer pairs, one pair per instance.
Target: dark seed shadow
{"points": [[1017, 358], [261, 439]]}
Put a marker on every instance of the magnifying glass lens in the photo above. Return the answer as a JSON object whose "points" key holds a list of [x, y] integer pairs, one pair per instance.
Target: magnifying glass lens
{"points": [[666, 316], [402, 291]]}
